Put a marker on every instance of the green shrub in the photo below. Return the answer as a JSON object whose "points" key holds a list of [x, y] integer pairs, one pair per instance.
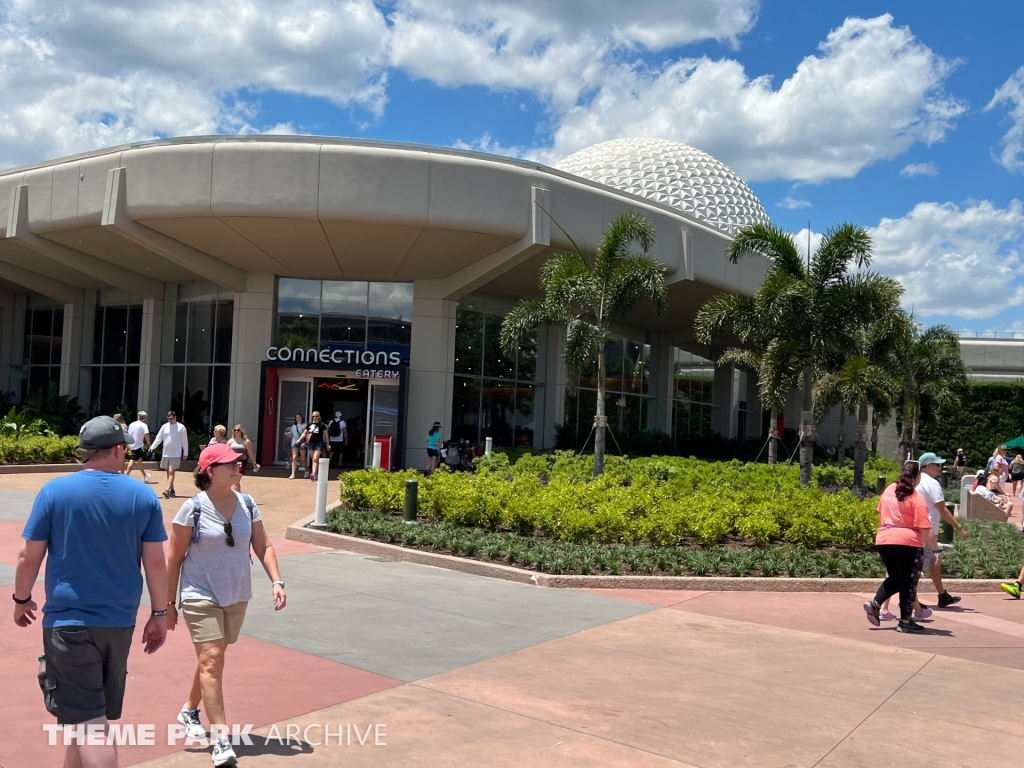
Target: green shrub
{"points": [[38, 449], [658, 501]]}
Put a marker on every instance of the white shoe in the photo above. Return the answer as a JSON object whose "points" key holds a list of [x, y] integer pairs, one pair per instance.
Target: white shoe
{"points": [[149, 477], [189, 718], [223, 754], [291, 477]]}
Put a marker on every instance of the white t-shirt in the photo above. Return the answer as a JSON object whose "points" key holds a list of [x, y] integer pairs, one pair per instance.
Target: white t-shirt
{"points": [[981, 490], [137, 431], [175, 441], [929, 487]]}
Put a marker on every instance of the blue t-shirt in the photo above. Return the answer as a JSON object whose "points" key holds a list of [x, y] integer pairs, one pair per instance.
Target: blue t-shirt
{"points": [[432, 440], [94, 523]]}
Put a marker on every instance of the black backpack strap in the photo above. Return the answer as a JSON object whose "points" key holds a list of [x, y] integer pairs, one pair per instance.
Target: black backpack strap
{"points": [[249, 503], [197, 508]]}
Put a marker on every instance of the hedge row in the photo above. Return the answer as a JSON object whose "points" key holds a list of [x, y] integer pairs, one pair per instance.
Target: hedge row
{"points": [[660, 501], [38, 449]]}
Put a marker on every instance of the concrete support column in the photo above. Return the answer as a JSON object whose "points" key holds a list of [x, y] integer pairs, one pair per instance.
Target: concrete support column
{"points": [[661, 384], [149, 359], [71, 349], [6, 339], [726, 395], [252, 333], [551, 352], [431, 362]]}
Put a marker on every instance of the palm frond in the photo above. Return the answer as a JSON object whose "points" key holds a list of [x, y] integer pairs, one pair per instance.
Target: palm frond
{"points": [[840, 247], [637, 279], [521, 320], [625, 231], [581, 346], [770, 241]]}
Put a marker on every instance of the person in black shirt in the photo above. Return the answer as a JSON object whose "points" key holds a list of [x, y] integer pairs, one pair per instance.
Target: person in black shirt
{"points": [[317, 439]]}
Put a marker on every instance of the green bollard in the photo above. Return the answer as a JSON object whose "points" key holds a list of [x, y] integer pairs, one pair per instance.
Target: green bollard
{"points": [[412, 487], [880, 484]]}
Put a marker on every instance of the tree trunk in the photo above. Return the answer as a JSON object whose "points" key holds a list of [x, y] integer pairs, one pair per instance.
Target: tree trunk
{"points": [[905, 448], [840, 457], [807, 430], [874, 435], [773, 431], [600, 420], [915, 440], [860, 444]]}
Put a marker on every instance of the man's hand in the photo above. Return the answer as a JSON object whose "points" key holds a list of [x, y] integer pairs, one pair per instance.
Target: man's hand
{"points": [[155, 633], [963, 533], [280, 598], [172, 616], [25, 614]]}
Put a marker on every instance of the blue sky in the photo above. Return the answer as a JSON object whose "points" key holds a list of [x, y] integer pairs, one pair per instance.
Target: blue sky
{"points": [[878, 113]]}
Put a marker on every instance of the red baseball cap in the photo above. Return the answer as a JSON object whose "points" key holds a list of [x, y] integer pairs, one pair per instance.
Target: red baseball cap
{"points": [[220, 453]]}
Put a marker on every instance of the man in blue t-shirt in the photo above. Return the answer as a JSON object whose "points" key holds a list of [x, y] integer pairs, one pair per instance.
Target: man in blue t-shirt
{"points": [[97, 526]]}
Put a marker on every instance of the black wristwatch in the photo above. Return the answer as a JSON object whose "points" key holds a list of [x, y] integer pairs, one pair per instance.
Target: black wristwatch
{"points": [[26, 601]]}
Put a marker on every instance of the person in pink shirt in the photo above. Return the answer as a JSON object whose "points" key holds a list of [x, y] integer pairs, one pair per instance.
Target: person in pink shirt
{"points": [[903, 529]]}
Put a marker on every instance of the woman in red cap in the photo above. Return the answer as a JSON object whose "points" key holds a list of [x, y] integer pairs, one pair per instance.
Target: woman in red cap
{"points": [[209, 555]]}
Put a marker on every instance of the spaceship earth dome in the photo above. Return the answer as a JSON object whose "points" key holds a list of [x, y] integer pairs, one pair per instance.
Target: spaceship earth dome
{"points": [[673, 174]]}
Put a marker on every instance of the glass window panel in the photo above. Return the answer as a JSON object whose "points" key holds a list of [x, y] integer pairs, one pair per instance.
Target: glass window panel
{"points": [[587, 408], [225, 310], [58, 336], [613, 355], [184, 291], [391, 301], [221, 389], [297, 331], [200, 332], [337, 329], [344, 297], [39, 336], [634, 367], [130, 399], [498, 400], [196, 404], [524, 415], [568, 437], [526, 359], [495, 362], [203, 290], [94, 392], [180, 331], [466, 409], [177, 393], [115, 335], [469, 338], [26, 342], [134, 334], [298, 297], [85, 379], [111, 388]]}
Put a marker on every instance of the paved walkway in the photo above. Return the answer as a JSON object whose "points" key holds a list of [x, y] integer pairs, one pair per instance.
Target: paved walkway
{"points": [[458, 669]]}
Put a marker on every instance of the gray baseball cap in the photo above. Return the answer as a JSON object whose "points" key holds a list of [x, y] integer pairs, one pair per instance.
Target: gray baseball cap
{"points": [[101, 432]]}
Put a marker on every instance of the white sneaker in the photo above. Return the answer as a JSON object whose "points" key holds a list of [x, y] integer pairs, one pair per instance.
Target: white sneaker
{"points": [[291, 477], [189, 718], [223, 754], [149, 477]]}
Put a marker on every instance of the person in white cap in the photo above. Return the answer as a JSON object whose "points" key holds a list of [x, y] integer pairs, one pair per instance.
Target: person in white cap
{"points": [[928, 486]]}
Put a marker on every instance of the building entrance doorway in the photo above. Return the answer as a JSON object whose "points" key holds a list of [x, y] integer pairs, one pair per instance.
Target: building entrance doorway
{"points": [[369, 407]]}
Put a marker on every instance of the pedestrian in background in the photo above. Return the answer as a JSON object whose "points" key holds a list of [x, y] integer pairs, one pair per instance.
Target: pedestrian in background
{"points": [[138, 442], [903, 529], [240, 443], [94, 527], [174, 438]]}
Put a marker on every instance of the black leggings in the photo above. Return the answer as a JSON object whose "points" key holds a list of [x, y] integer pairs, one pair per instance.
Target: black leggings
{"points": [[903, 564]]}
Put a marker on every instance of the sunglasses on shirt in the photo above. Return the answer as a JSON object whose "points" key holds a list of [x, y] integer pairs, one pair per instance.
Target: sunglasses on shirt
{"points": [[228, 538]]}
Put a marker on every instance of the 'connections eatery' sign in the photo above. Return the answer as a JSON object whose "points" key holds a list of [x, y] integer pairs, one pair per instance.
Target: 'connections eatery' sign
{"points": [[335, 356]]}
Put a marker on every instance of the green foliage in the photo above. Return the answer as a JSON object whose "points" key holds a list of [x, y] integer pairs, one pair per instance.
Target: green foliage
{"points": [[18, 424], [38, 449], [988, 414], [60, 413], [659, 501]]}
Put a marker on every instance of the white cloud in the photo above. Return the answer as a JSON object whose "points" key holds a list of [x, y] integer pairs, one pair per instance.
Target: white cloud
{"points": [[919, 169], [951, 260], [792, 204], [872, 92], [75, 76], [1012, 93]]}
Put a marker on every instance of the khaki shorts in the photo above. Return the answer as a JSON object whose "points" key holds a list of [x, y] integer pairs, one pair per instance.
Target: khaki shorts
{"points": [[170, 463], [207, 621]]}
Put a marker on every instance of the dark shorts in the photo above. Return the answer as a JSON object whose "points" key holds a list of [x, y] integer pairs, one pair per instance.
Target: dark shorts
{"points": [[432, 452], [316, 446], [86, 669], [1017, 476], [132, 454]]}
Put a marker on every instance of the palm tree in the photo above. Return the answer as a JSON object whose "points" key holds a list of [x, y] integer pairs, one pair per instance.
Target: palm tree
{"points": [[932, 375], [860, 371], [586, 295], [766, 349], [814, 300]]}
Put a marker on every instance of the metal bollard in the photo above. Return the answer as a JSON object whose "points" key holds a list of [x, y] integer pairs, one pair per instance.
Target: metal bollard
{"points": [[880, 484], [488, 444], [412, 488], [323, 470], [376, 454]]}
